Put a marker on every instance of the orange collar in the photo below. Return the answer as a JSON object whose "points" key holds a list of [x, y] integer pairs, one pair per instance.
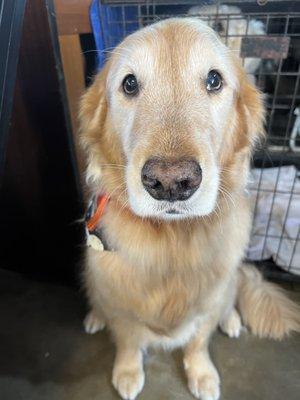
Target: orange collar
{"points": [[94, 220]]}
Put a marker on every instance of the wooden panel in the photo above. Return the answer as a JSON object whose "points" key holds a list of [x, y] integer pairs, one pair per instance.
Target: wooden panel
{"points": [[72, 16], [73, 66]]}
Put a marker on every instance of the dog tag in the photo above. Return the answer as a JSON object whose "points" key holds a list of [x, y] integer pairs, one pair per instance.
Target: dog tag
{"points": [[94, 242]]}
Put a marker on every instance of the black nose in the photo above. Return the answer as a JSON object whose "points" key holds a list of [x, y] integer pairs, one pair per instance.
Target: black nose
{"points": [[171, 180]]}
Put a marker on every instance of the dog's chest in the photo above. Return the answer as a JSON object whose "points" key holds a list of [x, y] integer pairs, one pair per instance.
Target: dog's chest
{"points": [[171, 301], [174, 274]]}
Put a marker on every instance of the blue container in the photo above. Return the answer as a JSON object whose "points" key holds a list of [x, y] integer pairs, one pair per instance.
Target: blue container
{"points": [[110, 25]]}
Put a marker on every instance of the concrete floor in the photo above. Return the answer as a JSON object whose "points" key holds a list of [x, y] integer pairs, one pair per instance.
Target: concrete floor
{"points": [[45, 355]]}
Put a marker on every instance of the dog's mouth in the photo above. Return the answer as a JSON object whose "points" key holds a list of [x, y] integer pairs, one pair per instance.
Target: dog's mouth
{"points": [[170, 212], [173, 211]]}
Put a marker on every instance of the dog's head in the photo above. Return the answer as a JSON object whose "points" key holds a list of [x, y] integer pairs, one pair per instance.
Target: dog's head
{"points": [[168, 120]]}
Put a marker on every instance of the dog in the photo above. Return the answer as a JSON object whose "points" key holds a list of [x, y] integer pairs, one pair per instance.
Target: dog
{"points": [[168, 127]]}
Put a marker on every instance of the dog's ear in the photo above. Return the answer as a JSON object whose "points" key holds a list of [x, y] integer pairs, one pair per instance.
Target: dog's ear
{"points": [[248, 126], [252, 102], [92, 119], [93, 106]]}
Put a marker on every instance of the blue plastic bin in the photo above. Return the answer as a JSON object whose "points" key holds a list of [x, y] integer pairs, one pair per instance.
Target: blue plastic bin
{"points": [[110, 25]]}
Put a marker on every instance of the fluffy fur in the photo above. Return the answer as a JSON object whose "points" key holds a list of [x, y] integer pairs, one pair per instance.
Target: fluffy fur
{"points": [[172, 279], [265, 308]]}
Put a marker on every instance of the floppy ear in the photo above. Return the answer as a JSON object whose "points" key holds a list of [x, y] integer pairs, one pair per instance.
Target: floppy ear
{"points": [[246, 131], [248, 126], [252, 102], [93, 105], [92, 120]]}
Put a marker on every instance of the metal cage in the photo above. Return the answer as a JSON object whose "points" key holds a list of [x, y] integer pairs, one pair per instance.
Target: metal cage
{"points": [[266, 35]]}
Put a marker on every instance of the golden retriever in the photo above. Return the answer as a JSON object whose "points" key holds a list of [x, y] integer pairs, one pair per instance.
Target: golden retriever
{"points": [[168, 127]]}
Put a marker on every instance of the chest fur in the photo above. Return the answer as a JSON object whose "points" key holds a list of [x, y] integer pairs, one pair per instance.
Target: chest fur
{"points": [[171, 271]]}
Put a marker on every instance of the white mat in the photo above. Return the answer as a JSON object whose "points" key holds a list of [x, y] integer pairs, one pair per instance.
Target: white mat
{"points": [[282, 242]]}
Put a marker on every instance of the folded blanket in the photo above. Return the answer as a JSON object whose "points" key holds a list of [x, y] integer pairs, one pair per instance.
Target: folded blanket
{"points": [[275, 198]]}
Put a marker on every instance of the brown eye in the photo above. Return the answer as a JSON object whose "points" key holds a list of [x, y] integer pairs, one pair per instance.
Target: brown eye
{"points": [[130, 85], [214, 81]]}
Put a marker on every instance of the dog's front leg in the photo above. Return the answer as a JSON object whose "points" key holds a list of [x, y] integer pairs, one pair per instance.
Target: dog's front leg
{"points": [[203, 378], [108, 281], [128, 374]]}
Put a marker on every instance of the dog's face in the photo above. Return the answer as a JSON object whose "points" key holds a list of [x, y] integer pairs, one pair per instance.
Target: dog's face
{"points": [[171, 101]]}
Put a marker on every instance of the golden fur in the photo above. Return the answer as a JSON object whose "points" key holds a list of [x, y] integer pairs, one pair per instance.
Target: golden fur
{"points": [[169, 282]]}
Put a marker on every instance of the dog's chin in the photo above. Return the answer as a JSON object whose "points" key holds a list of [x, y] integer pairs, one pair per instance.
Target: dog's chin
{"points": [[174, 216], [171, 214], [170, 211]]}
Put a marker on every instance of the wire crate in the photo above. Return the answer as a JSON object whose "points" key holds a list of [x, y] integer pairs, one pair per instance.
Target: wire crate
{"points": [[266, 35]]}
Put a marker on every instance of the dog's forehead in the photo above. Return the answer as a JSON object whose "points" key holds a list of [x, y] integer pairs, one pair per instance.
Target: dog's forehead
{"points": [[175, 41]]}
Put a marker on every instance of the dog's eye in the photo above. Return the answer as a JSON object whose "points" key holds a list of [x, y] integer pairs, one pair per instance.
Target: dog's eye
{"points": [[214, 81], [130, 85]]}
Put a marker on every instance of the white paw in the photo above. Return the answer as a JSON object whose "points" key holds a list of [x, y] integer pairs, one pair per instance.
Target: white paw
{"points": [[92, 323], [204, 386], [232, 325], [129, 383]]}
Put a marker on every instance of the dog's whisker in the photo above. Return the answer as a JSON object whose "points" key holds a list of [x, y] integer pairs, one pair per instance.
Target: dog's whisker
{"points": [[226, 195], [116, 189], [230, 170], [218, 211], [124, 205], [225, 198], [115, 178], [121, 194], [113, 165]]}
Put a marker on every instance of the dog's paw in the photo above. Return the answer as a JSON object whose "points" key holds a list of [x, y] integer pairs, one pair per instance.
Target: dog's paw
{"points": [[92, 323], [232, 325], [129, 383], [204, 386]]}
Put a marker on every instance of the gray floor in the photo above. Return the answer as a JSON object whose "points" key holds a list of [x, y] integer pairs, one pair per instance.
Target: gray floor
{"points": [[44, 354]]}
